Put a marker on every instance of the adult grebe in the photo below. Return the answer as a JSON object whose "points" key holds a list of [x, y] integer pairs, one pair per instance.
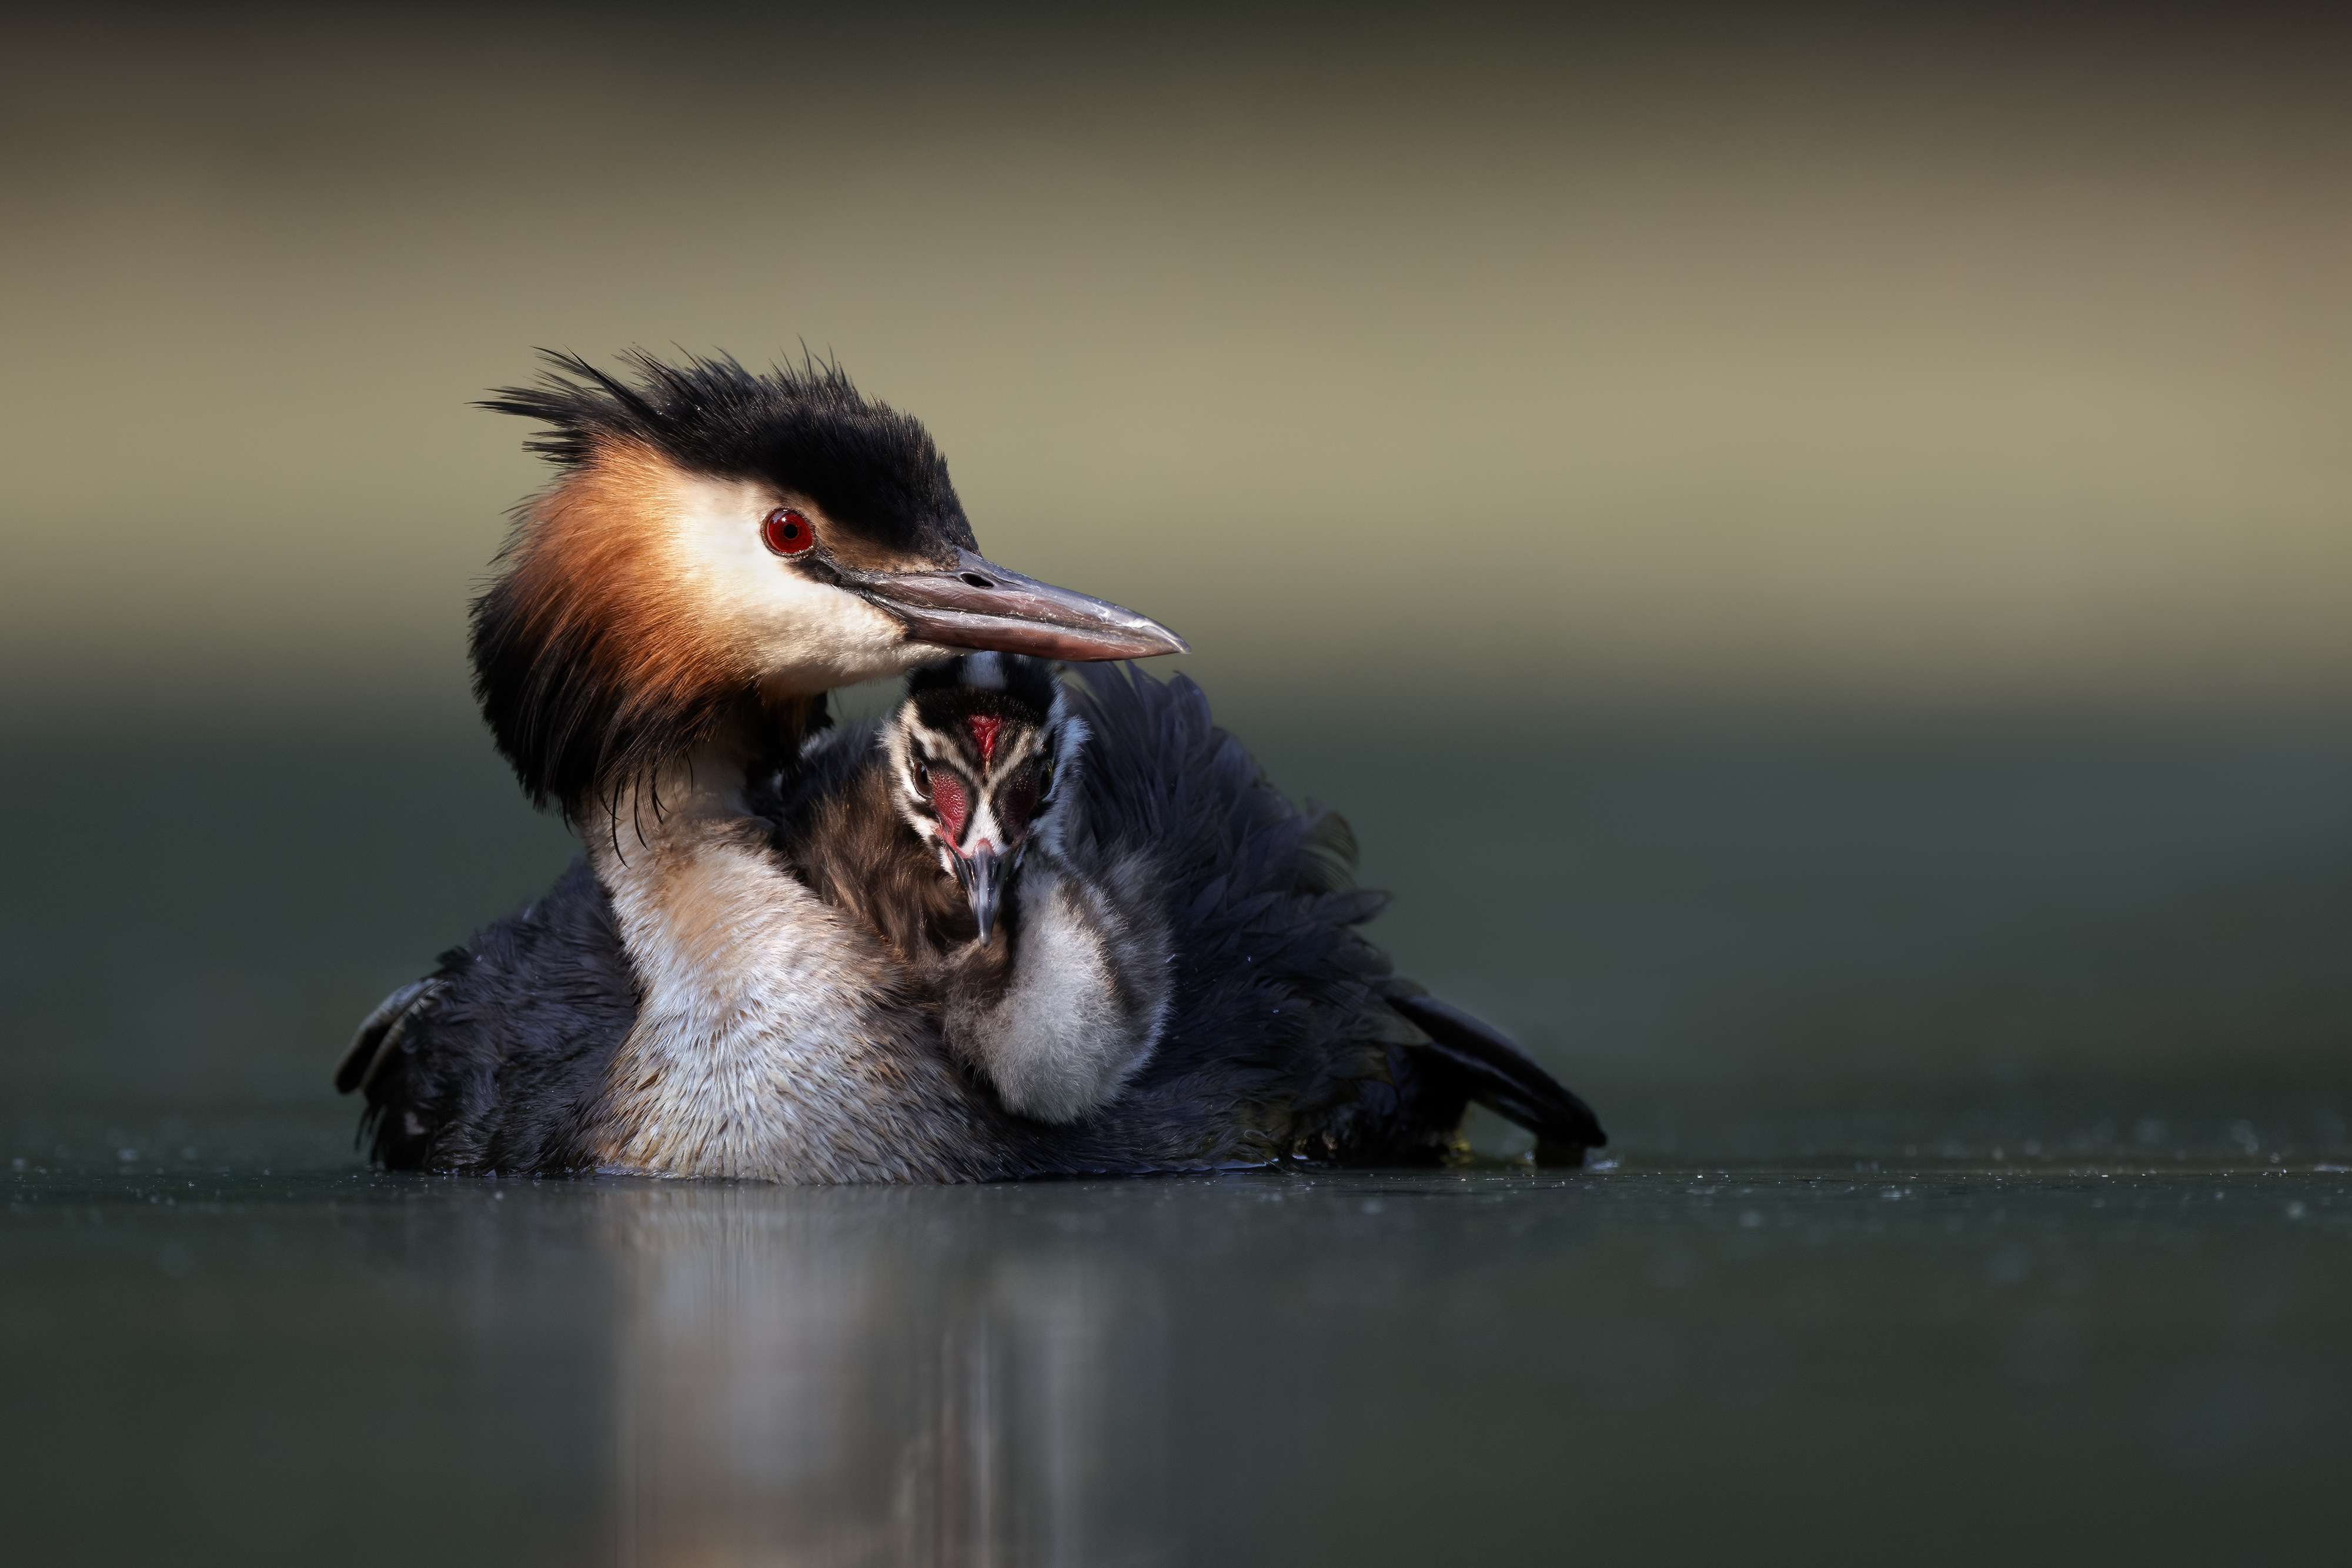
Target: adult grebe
{"points": [[718, 549]]}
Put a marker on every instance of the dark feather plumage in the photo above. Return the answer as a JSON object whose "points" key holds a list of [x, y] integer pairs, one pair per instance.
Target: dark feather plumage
{"points": [[1289, 1034], [806, 429], [499, 1062]]}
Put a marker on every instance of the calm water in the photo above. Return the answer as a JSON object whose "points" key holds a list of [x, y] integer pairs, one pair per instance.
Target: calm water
{"points": [[1652, 1365], [1983, 1187]]}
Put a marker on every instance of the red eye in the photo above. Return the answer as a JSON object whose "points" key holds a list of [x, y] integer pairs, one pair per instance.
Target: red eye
{"points": [[788, 532], [948, 800]]}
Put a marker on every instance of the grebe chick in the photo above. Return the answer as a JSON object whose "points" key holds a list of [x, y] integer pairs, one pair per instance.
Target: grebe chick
{"points": [[953, 840]]}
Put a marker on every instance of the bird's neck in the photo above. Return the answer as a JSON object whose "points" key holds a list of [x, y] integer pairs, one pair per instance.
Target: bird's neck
{"points": [[759, 1006], [708, 782], [688, 866]]}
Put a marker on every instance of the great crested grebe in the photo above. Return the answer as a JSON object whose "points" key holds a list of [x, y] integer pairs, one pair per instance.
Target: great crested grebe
{"points": [[718, 549]]}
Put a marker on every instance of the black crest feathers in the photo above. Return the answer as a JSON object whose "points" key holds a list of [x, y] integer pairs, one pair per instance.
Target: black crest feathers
{"points": [[803, 428]]}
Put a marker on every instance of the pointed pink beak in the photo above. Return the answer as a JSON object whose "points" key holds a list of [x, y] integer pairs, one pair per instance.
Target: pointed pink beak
{"points": [[979, 604]]}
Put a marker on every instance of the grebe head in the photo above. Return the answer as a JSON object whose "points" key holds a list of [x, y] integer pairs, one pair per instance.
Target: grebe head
{"points": [[721, 546]]}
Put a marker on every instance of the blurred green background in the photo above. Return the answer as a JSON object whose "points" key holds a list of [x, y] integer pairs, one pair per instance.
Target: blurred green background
{"points": [[1815, 547]]}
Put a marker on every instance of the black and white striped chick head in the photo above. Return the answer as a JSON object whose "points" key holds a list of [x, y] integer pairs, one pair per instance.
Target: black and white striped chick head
{"points": [[981, 750]]}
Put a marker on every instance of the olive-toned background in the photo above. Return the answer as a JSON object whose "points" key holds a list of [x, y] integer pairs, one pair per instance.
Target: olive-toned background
{"points": [[1703, 356], [1816, 549]]}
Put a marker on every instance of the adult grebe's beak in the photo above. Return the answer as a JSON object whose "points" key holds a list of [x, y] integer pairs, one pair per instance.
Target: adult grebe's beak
{"points": [[979, 604]]}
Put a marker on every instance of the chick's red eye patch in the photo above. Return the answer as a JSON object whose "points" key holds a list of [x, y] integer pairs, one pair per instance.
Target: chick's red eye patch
{"points": [[948, 799]]}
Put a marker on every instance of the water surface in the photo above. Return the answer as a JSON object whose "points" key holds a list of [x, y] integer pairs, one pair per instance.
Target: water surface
{"points": [[1982, 1189], [1486, 1365]]}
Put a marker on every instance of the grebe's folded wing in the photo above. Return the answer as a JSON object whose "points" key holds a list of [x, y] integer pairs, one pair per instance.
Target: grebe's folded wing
{"points": [[494, 1061]]}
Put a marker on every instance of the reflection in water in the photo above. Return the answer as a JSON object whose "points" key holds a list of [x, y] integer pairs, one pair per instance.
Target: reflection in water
{"points": [[851, 1376]]}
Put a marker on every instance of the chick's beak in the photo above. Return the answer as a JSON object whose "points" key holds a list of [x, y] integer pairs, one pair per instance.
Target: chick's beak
{"points": [[979, 604], [982, 875]]}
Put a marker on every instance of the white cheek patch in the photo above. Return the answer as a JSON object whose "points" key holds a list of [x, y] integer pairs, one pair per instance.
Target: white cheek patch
{"points": [[803, 636]]}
